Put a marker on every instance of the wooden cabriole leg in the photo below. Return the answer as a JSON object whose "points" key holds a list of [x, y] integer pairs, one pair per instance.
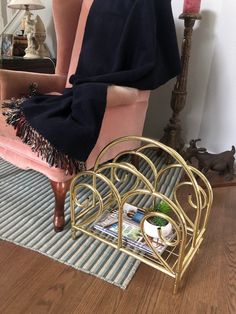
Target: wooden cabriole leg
{"points": [[59, 189], [135, 161]]}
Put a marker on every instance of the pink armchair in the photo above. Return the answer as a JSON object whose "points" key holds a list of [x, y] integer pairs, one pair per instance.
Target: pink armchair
{"points": [[125, 113]]}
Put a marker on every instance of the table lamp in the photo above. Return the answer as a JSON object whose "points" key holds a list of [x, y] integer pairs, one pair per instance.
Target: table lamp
{"points": [[29, 29]]}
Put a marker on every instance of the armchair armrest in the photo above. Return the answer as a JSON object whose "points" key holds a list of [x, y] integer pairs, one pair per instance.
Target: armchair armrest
{"points": [[16, 83], [122, 95]]}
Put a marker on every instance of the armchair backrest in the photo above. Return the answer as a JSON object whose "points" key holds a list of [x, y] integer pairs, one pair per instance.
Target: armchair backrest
{"points": [[66, 17], [70, 18], [79, 35]]}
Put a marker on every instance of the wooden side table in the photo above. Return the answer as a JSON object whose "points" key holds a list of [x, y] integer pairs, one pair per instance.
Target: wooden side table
{"points": [[29, 65]]}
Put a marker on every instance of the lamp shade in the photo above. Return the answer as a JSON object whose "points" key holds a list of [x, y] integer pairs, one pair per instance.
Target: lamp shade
{"points": [[22, 4]]}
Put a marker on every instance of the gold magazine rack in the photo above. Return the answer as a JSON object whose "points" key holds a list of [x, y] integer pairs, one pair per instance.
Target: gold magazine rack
{"points": [[124, 180]]}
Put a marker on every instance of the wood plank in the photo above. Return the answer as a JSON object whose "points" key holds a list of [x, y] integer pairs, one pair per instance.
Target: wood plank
{"points": [[32, 283]]}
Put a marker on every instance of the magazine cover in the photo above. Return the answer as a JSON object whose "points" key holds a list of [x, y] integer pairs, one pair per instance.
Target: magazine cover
{"points": [[132, 235]]}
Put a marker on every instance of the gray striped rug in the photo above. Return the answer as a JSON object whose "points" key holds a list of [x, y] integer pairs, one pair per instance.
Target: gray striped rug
{"points": [[26, 211]]}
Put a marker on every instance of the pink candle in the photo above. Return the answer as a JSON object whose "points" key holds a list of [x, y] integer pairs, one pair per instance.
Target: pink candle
{"points": [[192, 6]]}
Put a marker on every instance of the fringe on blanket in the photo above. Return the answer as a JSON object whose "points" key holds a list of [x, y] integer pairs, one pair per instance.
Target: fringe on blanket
{"points": [[15, 117]]}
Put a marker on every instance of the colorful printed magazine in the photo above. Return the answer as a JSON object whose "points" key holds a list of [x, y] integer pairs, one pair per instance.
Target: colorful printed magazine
{"points": [[132, 235]]}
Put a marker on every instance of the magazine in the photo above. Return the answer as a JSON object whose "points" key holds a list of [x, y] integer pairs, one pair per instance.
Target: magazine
{"points": [[132, 235]]}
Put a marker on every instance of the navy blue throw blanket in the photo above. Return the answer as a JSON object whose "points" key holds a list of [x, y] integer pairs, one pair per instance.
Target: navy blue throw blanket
{"points": [[126, 42]]}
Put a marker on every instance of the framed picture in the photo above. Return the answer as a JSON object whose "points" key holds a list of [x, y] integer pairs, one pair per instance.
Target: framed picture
{"points": [[7, 45]]}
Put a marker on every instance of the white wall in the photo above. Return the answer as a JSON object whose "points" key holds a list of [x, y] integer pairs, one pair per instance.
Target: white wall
{"points": [[199, 69], [46, 15], [210, 109], [1, 21], [2, 15], [218, 125]]}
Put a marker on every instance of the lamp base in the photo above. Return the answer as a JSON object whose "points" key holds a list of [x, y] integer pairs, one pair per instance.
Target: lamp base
{"points": [[42, 51], [30, 55]]}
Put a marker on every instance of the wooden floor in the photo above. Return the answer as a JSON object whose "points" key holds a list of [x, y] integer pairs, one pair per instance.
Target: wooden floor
{"points": [[33, 283]]}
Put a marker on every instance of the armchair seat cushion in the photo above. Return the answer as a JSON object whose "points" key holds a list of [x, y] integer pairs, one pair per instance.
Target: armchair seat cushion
{"points": [[13, 150], [20, 155]]}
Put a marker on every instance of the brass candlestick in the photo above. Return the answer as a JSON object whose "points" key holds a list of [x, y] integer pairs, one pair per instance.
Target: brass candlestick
{"points": [[172, 132]]}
